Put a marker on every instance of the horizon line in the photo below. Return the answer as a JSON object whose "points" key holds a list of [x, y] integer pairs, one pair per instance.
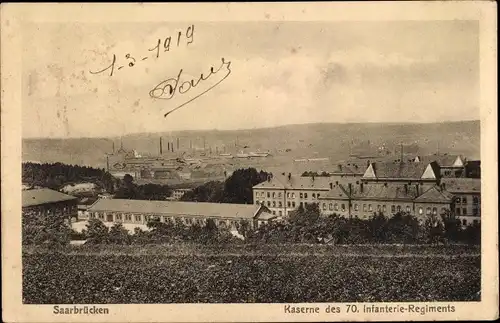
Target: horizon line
{"points": [[255, 128]]}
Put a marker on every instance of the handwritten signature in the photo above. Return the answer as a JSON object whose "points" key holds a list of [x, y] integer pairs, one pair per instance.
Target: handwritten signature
{"points": [[167, 89]]}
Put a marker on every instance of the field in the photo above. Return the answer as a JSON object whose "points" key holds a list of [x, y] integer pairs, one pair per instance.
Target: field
{"points": [[173, 274]]}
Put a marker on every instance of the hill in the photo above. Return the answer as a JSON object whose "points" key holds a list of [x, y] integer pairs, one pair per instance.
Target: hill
{"points": [[319, 140]]}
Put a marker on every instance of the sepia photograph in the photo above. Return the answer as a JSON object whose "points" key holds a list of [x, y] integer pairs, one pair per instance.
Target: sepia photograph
{"points": [[275, 161]]}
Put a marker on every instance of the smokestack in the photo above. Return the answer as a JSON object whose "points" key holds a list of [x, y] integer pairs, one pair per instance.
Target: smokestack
{"points": [[107, 163], [331, 185], [361, 187], [289, 176], [161, 147], [172, 146], [113, 147], [177, 143]]}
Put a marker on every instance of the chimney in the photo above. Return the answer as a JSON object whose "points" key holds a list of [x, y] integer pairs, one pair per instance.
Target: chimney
{"points": [[177, 143], [172, 146], [361, 187], [406, 189], [312, 178], [107, 163], [161, 147], [168, 146], [340, 167], [418, 189], [331, 185], [350, 188], [289, 176]]}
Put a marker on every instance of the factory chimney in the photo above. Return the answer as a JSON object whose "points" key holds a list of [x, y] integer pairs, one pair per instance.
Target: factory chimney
{"points": [[177, 143], [172, 146], [161, 147], [168, 146], [107, 163], [113, 147], [289, 176]]}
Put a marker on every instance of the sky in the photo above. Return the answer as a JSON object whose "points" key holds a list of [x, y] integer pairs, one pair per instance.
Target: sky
{"points": [[280, 73]]}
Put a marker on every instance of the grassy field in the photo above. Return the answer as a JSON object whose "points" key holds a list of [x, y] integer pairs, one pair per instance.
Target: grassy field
{"points": [[202, 274]]}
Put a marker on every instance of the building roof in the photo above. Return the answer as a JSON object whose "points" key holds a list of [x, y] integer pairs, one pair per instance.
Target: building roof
{"points": [[444, 160], [388, 192], [435, 195], [349, 168], [337, 192], [462, 185], [395, 170], [296, 182], [224, 210], [44, 196]]}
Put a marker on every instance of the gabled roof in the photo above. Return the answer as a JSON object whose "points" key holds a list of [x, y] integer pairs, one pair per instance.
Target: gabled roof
{"points": [[444, 160], [337, 192], [435, 195], [224, 210], [296, 182], [395, 170], [387, 192], [462, 185], [44, 196]]}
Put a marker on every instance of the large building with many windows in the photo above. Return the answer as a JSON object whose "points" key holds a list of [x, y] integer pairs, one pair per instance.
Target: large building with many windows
{"points": [[284, 193], [47, 202], [142, 211], [467, 198]]}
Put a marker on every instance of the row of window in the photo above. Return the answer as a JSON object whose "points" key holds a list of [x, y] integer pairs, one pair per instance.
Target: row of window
{"points": [[302, 195], [138, 218], [463, 211], [463, 200]]}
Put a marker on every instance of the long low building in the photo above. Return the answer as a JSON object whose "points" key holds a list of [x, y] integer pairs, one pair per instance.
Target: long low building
{"points": [[45, 202], [142, 211]]}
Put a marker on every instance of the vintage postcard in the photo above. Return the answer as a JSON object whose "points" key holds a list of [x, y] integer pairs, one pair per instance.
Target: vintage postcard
{"points": [[257, 162]]}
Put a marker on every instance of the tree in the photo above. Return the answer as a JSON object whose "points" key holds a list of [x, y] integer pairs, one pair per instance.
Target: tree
{"points": [[97, 232], [51, 230], [118, 235], [452, 226]]}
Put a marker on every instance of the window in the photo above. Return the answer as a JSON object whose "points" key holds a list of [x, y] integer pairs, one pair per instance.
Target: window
{"points": [[475, 200], [384, 208], [464, 200], [274, 195], [268, 194], [458, 211], [331, 207], [314, 195], [318, 195], [355, 207], [342, 207], [408, 209], [301, 204], [280, 213], [301, 195], [398, 208], [464, 211], [274, 203], [280, 204], [288, 203], [378, 208], [475, 211], [138, 218], [279, 194], [428, 211], [305, 195], [274, 212], [293, 203], [269, 203], [420, 210], [393, 208], [370, 207], [336, 207], [118, 217], [364, 207], [293, 195], [288, 195], [324, 206], [434, 210]]}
